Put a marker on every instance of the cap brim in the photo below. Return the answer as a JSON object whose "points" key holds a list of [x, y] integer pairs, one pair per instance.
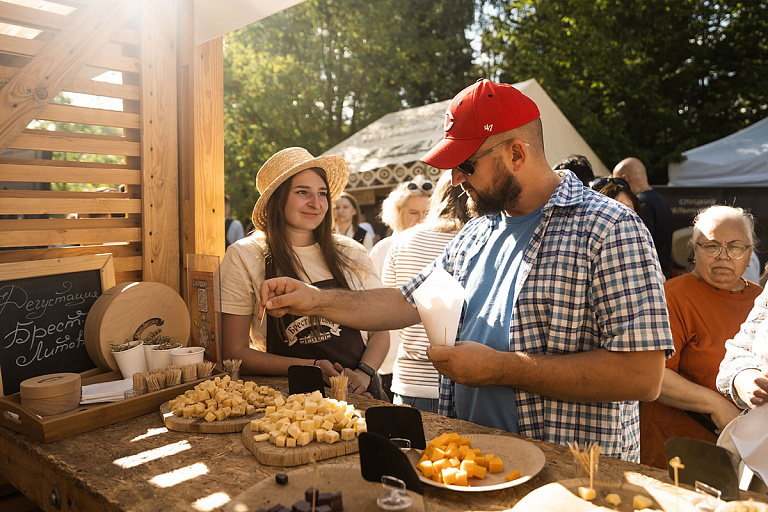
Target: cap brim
{"points": [[448, 153]]}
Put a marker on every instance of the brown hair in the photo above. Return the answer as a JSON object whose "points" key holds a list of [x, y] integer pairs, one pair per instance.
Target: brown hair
{"points": [[356, 217]]}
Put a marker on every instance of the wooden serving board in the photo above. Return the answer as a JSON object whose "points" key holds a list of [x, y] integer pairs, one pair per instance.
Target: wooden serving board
{"points": [[560, 496], [358, 495], [227, 426], [270, 455]]}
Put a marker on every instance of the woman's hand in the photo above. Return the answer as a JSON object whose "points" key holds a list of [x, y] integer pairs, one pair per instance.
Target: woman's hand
{"points": [[328, 369], [357, 381], [751, 386]]}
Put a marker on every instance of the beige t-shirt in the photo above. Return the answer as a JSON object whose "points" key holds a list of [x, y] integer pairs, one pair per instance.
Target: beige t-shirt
{"points": [[242, 271]]}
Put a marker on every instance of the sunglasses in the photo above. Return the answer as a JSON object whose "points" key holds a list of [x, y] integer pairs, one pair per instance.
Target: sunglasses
{"points": [[468, 165], [713, 249], [599, 183], [426, 186]]}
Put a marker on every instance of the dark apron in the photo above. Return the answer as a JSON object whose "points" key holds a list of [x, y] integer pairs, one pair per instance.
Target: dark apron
{"points": [[334, 342]]}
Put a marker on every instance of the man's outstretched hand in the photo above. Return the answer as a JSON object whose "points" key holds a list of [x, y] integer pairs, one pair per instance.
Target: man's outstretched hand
{"points": [[283, 295]]}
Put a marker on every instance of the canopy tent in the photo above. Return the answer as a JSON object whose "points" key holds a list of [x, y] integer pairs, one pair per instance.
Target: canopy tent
{"points": [[740, 159], [214, 18], [388, 150]]}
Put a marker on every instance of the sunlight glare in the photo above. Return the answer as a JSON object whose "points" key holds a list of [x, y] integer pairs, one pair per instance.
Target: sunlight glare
{"points": [[180, 475], [150, 432], [214, 501], [150, 455]]}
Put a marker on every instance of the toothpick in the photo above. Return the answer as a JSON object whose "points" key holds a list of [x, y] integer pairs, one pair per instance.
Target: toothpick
{"points": [[591, 466], [465, 191], [445, 336], [263, 314]]}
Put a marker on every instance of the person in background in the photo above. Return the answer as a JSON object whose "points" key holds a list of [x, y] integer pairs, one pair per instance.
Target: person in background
{"points": [[346, 221], [578, 165], [565, 327], [753, 269], [414, 378], [368, 227], [233, 229], [706, 307], [618, 189], [404, 207], [656, 212], [294, 238]]}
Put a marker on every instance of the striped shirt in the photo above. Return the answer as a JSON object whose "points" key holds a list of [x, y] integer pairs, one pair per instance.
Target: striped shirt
{"points": [[590, 279], [412, 250]]}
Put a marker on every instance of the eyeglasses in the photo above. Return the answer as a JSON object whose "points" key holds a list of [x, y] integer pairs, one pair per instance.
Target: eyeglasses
{"points": [[713, 249], [599, 183], [426, 186], [468, 165]]}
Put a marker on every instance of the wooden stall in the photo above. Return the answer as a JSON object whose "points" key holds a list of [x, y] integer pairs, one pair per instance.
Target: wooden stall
{"points": [[141, 121]]}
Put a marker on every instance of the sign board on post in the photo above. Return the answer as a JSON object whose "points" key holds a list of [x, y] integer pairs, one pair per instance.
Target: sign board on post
{"points": [[43, 307], [204, 307]]}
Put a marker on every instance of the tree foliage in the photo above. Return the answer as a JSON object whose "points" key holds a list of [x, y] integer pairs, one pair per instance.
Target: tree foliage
{"points": [[314, 74], [648, 79]]}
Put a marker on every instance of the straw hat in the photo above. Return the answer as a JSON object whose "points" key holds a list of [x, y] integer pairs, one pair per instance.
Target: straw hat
{"points": [[287, 163]]}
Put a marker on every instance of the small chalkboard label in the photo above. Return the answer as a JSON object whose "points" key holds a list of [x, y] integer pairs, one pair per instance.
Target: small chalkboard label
{"points": [[43, 307]]}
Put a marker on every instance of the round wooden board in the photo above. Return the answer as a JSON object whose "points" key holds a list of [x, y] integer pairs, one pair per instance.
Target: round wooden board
{"points": [[515, 454], [560, 496], [270, 455], [133, 309], [227, 426], [358, 495]]}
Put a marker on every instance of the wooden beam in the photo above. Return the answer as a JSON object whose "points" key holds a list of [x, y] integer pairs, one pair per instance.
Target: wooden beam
{"points": [[45, 76], [159, 143], [68, 173]]}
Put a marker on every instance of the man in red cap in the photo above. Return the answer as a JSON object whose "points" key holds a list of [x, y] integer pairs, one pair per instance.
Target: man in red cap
{"points": [[565, 326]]}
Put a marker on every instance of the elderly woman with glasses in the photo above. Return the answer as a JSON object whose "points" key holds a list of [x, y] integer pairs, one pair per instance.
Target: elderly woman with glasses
{"points": [[706, 307]]}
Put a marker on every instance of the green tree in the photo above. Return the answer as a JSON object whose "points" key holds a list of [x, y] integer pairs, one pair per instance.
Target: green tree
{"points": [[647, 79], [316, 73]]}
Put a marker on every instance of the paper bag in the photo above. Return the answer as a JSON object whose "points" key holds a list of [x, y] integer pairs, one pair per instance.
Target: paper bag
{"points": [[440, 299], [750, 435]]}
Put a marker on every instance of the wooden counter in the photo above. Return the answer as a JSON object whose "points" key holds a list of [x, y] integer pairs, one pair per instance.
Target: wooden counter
{"points": [[121, 467]]}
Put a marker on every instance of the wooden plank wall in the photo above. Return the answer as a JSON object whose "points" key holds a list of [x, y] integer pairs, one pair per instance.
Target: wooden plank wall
{"points": [[45, 52]]}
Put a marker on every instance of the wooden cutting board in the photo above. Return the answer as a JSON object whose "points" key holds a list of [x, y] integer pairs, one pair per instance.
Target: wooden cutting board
{"points": [[358, 495], [227, 426], [561, 496], [270, 455]]}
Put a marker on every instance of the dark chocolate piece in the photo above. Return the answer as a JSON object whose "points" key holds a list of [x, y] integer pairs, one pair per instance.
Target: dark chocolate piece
{"points": [[324, 498], [336, 503], [302, 506], [323, 508], [281, 478], [308, 494]]}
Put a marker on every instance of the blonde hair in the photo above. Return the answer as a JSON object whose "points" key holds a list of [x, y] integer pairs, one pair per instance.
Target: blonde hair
{"points": [[447, 207], [393, 206]]}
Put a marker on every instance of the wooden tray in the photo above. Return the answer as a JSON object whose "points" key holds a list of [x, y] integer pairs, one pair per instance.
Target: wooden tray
{"points": [[226, 426], [85, 417], [358, 495], [270, 455]]}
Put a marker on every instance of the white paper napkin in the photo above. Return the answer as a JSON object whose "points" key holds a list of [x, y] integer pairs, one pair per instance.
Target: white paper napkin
{"points": [[439, 300], [750, 435], [111, 391]]}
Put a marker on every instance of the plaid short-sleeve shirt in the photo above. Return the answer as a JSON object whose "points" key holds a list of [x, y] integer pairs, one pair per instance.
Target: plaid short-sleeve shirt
{"points": [[590, 279]]}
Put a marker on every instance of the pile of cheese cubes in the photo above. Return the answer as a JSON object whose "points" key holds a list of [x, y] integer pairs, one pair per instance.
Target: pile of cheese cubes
{"points": [[308, 417], [222, 398], [450, 459]]}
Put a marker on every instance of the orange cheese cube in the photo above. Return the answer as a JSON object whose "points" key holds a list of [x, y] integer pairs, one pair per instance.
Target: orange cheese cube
{"points": [[427, 469], [461, 478], [514, 475], [470, 455], [481, 461], [468, 466], [463, 451], [436, 454], [478, 472], [452, 450], [495, 465], [453, 437], [449, 476], [465, 441], [441, 464], [455, 462]]}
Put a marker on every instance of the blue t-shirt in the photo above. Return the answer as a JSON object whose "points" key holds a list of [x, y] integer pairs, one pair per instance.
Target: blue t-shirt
{"points": [[488, 317]]}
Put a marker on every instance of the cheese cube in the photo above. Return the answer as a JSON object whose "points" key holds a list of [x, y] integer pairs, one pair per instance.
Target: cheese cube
{"points": [[221, 414], [478, 471], [269, 410], [640, 502], [452, 450], [449, 476], [289, 413], [613, 499], [189, 411], [279, 401], [461, 478], [300, 415], [304, 439], [514, 475], [455, 462], [310, 407], [280, 441], [290, 442], [468, 466], [427, 469], [210, 417], [294, 430], [320, 434], [327, 425], [496, 465], [249, 409], [441, 464], [587, 493], [261, 437], [331, 436], [256, 425], [347, 434]]}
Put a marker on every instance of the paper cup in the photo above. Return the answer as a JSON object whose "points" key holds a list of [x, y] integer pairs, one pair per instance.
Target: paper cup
{"points": [[159, 358], [131, 361], [187, 355]]}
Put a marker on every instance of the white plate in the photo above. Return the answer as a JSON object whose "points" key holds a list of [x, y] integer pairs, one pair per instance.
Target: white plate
{"points": [[515, 454]]}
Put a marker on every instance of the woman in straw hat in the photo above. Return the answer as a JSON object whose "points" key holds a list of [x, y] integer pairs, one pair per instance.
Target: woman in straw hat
{"points": [[294, 237]]}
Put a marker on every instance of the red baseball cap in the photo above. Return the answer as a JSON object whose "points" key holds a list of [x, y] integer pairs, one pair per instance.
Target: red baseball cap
{"points": [[479, 111]]}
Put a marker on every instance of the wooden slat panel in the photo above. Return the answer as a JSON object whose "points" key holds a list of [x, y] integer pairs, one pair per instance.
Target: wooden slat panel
{"points": [[84, 115], [33, 47], [42, 78], [68, 174], [60, 194], [35, 237], [37, 18], [68, 224], [75, 143], [159, 155], [129, 252], [84, 86], [13, 206]]}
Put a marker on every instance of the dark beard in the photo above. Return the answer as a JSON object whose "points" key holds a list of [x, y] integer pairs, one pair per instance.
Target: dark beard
{"points": [[503, 196]]}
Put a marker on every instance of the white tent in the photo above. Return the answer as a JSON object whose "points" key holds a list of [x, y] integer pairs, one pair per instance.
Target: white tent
{"points": [[403, 137], [740, 159]]}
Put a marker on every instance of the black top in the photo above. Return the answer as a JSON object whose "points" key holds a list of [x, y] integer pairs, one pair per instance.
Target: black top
{"points": [[657, 215]]}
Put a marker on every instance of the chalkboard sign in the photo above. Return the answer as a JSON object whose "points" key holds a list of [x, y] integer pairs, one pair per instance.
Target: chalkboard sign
{"points": [[43, 306]]}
